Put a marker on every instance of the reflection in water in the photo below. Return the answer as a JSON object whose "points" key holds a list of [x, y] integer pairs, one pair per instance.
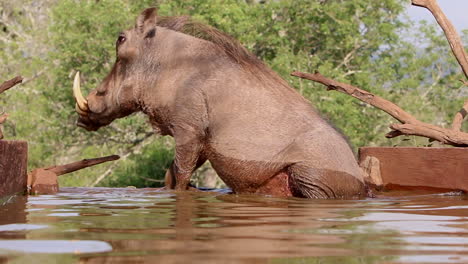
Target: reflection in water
{"points": [[53, 246], [13, 212], [149, 226]]}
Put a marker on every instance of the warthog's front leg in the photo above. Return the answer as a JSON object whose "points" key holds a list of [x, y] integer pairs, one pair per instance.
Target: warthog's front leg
{"points": [[170, 177], [188, 157]]}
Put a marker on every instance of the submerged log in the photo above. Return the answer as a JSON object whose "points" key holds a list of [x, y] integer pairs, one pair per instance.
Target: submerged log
{"points": [[45, 180], [13, 167], [394, 168]]}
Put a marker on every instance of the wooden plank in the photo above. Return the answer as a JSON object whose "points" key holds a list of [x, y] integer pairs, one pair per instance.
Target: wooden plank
{"points": [[441, 168], [13, 167]]}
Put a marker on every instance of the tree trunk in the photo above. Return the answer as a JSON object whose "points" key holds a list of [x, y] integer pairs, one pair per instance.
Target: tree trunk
{"points": [[13, 167]]}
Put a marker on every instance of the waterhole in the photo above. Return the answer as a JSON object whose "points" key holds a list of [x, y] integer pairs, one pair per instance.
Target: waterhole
{"points": [[106, 225]]}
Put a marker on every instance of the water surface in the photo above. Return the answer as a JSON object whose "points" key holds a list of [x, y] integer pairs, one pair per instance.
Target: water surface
{"points": [[103, 225]]}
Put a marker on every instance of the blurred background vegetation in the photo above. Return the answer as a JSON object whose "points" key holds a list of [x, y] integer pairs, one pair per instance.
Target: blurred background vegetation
{"points": [[370, 44]]}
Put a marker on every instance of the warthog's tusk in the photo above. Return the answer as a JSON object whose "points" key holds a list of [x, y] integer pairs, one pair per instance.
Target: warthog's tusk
{"points": [[79, 111], [80, 100]]}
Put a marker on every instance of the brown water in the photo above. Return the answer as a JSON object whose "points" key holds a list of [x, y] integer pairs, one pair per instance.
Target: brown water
{"points": [[102, 225]]}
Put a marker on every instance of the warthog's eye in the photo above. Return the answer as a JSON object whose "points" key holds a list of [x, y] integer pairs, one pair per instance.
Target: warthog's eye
{"points": [[121, 39]]}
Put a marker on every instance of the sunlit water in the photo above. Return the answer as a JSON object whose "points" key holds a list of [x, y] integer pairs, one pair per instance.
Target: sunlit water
{"points": [[102, 225]]}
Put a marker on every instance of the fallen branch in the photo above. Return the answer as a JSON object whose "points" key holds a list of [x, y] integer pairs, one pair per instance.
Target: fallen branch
{"points": [[45, 180], [410, 125], [10, 83], [455, 44], [71, 167], [374, 100], [152, 180]]}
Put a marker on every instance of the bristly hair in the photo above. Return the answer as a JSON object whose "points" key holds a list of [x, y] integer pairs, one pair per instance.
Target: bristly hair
{"points": [[229, 45]]}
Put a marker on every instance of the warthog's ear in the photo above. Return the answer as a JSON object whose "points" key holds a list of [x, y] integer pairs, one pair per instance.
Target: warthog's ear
{"points": [[146, 20]]}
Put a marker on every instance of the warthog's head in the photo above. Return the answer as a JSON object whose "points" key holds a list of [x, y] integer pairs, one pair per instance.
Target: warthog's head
{"points": [[117, 95]]}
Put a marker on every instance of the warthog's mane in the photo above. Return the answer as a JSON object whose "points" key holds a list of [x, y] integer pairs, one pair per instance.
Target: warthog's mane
{"points": [[229, 45], [232, 48]]}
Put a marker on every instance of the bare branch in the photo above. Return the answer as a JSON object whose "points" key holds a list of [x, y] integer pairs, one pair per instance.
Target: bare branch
{"points": [[350, 73], [152, 180], [455, 44], [374, 100], [449, 30], [349, 56], [443, 135], [10, 83], [35, 76], [71, 167], [409, 126]]}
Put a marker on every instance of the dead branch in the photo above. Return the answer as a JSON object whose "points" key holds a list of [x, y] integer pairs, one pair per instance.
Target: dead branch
{"points": [[410, 125], [449, 30], [376, 101], [455, 44], [71, 167], [10, 83]]}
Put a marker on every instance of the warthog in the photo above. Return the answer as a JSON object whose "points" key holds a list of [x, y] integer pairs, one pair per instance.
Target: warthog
{"points": [[222, 104]]}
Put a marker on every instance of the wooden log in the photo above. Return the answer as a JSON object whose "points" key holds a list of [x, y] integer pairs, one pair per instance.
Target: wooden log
{"points": [[45, 180], [13, 167], [417, 167], [71, 167]]}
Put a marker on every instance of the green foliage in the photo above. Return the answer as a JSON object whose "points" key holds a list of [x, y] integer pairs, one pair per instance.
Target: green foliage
{"points": [[147, 169], [369, 44], [362, 43]]}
